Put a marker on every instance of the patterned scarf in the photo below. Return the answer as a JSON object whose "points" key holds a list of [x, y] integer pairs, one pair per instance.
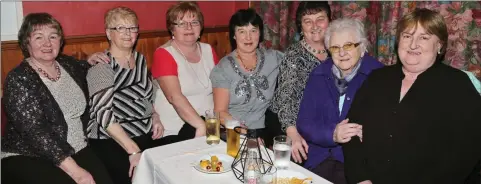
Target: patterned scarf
{"points": [[342, 82]]}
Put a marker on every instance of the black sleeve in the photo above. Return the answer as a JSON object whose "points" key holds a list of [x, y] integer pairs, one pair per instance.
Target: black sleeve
{"points": [[26, 115], [354, 153], [463, 143]]}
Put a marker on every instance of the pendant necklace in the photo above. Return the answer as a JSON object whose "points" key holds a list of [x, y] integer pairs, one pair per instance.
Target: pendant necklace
{"points": [[245, 66], [190, 66]]}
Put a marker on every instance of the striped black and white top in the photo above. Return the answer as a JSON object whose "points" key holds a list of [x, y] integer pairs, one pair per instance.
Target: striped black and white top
{"points": [[120, 95]]}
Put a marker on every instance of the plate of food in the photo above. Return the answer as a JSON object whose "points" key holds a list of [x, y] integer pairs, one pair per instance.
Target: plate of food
{"points": [[213, 163], [291, 177]]}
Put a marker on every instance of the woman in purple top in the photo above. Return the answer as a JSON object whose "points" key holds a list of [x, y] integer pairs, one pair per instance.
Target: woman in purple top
{"points": [[328, 95]]}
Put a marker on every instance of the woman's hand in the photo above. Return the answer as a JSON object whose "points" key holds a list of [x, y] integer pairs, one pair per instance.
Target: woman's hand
{"points": [[157, 127], [98, 57], [200, 131], [345, 131], [81, 176], [299, 145], [78, 174], [134, 161]]}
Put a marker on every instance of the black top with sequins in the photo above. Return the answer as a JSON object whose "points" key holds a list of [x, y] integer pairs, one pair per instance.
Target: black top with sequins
{"points": [[35, 123]]}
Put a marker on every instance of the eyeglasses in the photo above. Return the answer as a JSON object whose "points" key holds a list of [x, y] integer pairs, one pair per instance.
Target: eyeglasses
{"points": [[183, 24], [122, 29], [346, 47]]}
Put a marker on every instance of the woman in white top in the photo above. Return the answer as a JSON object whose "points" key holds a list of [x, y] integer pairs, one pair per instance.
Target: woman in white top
{"points": [[182, 67]]}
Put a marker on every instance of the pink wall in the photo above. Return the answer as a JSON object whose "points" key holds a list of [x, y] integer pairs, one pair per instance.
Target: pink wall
{"points": [[84, 18]]}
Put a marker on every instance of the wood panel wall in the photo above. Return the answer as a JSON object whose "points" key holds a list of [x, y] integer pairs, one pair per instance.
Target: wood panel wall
{"points": [[82, 46]]}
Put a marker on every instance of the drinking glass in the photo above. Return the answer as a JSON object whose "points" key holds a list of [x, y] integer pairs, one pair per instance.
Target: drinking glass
{"points": [[233, 138], [267, 174], [282, 152], [212, 123]]}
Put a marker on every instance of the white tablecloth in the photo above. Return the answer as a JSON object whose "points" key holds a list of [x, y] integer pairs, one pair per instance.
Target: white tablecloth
{"points": [[172, 164]]}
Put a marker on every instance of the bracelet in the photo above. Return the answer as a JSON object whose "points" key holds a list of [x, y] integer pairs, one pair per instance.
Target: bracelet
{"points": [[134, 153]]}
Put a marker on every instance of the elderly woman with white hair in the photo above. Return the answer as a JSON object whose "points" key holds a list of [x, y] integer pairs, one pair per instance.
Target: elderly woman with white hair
{"points": [[330, 89]]}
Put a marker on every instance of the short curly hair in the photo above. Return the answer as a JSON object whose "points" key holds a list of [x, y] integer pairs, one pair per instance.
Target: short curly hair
{"points": [[33, 22], [117, 13], [309, 8], [347, 24]]}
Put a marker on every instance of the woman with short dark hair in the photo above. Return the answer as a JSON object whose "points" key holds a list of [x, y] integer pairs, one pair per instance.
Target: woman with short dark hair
{"points": [[312, 20], [46, 99], [244, 80]]}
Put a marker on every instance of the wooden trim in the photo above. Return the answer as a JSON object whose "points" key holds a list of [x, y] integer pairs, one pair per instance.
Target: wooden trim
{"points": [[13, 44]]}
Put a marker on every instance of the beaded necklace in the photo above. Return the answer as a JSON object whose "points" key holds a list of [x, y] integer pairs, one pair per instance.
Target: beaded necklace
{"points": [[310, 49], [44, 73]]}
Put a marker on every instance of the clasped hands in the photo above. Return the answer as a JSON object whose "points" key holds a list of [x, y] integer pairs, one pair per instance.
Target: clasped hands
{"points": [[344, 131]]}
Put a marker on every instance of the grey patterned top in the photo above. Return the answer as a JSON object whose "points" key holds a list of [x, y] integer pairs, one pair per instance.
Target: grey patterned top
{"points": [[250, 93], [294, 72], [71, 100]]}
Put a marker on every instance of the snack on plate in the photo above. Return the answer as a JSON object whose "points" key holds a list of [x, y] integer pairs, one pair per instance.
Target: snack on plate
{"points": [[293, 180], [212, 165]]}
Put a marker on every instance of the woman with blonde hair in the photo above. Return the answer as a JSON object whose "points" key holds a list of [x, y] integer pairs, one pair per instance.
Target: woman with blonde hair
{"points": [[123, 121]]}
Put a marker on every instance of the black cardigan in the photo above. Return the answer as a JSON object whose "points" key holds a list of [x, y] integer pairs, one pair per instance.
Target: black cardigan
{"points": [[35, 123], [431, 136]]}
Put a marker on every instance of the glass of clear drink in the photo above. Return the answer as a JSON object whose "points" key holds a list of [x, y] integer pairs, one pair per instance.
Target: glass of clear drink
{"points": [[212, 123], [282, 152], [267, 174], [233, 138]]}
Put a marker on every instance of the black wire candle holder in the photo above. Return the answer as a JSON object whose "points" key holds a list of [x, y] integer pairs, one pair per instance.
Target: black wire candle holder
{"points": [[242, 153]]}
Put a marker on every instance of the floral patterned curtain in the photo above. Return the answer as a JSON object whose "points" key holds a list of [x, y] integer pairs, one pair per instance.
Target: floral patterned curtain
{"points": [[463, 20]]}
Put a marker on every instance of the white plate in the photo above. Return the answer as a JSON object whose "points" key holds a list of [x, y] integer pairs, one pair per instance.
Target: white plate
{"points": [[291, 174], [225, 159]]}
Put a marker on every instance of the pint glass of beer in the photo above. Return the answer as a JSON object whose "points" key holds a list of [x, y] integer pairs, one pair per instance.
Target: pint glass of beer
{"points": [[212, 124], [233, 138]]}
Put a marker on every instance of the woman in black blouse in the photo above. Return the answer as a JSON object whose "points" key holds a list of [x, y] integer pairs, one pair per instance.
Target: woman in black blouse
{"points": [[45, 99], [421, 118], [123, 121]]}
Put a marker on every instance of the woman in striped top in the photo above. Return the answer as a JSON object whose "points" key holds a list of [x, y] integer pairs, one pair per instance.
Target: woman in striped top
{"points": [[123, 120]]}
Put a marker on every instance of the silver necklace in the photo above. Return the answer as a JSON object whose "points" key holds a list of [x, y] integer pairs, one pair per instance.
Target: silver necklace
{"points": [[190, 66], [128, 60], [128, 57]]}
